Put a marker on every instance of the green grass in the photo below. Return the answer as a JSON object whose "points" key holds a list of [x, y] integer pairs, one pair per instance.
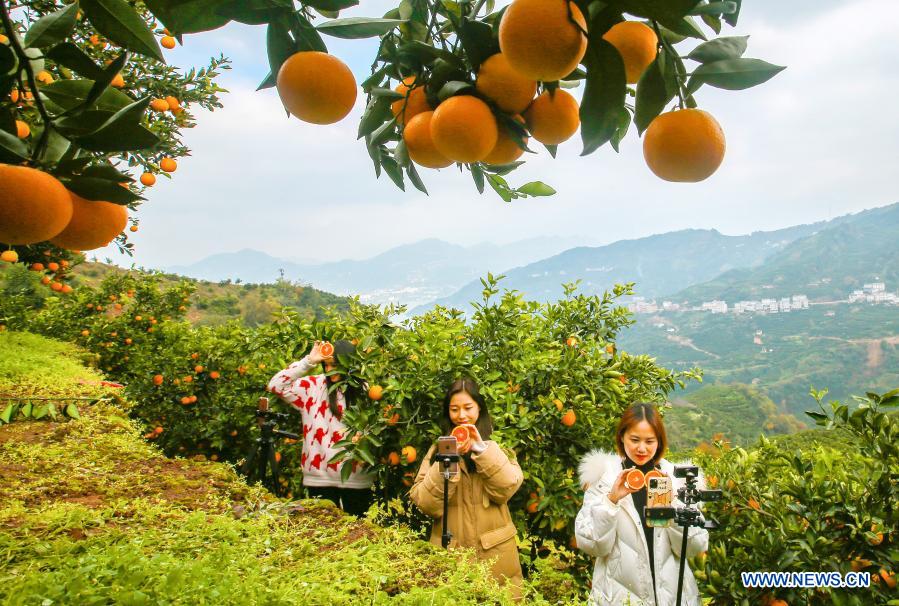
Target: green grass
{"points": [[28, 357]]}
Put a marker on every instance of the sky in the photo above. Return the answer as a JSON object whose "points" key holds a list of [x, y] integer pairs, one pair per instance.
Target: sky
{"points": [[815, 142]]}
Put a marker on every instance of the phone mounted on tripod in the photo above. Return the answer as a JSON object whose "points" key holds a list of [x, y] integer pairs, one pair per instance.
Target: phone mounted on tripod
{"points": [[262, 463]]}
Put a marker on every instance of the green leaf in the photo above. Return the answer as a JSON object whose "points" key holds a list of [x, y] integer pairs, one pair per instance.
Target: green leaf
{"points": [[536, 188], [258, 12], [383, 133], [6, 416], [306, 35], [685, 27], [8, 61], [358, 27], [477, 41], [26, 409], [453, 88], [95, 188], [500, 186], [121, 23], [393, 171], [269, 81], [123, 132], [190, 16], [278, 45], [70, 55], [604, 95], [40, 412], [331, 5], [69, 94], [72, 411], [624, 123], [363, 452], [477, 173], [731, 18], [733, 74], [102, 84], [83, 124], [719, 49], [666, 10], [724, 7], [713, 22], [52, 28], [376, 113], [413, 175], [654, 91], [12, 149]]}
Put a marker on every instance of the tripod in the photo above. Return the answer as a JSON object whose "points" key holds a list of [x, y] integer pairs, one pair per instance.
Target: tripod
{"points": [[261, 464], [446, 470]]}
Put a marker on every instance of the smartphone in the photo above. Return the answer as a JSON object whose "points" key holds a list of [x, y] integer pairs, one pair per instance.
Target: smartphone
{"points": [[448, 445], [658, 495]]}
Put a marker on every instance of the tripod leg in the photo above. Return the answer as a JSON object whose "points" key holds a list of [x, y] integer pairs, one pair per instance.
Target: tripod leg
{"points": [[683, 563], [273, 465], [248, 465]]}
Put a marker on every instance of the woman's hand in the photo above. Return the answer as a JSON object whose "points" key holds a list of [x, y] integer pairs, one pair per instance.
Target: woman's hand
{"points": [[474, 441], [619, 489], [315, 356]]}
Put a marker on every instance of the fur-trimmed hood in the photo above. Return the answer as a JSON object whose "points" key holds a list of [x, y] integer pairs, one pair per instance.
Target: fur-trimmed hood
{"points": [[600, 464]]}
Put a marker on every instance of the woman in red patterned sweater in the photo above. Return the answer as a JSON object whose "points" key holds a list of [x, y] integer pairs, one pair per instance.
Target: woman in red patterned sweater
{"points": [[322, 428]]}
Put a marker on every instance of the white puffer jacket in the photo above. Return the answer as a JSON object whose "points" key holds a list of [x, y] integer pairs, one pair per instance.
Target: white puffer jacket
{"points": [[613, 535]]}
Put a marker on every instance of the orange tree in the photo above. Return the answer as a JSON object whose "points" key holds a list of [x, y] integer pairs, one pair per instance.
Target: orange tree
{"points": [[86, 101], [816, 509]]}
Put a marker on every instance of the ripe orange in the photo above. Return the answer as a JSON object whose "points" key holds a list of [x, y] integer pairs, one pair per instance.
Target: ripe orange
{"points": [[44, 77], [185, 400], [85, 333], [635, 480], [327, 349], [540, 40], [753, 504], [414, 101], [506, 149], [172, 102], [393, 458], [410, 454], [532, 506], [511, 91], [569, 418], [571, 341], [778, 602], [878, 539], [118, 81], [376, 392], [637, 44], [198, 369], [463, 129], [419, 143], [34, 206], [45, 280], [684, 145], [394, 419], [158, 379], [214, 375], [56, 286], [889, 578], [159, 105], [559, 405], [167, 42], [22, 129], [10, 256], [94, 224], [461, 434], [37, 267], [168, 165], [553, 117], [316, 87]]}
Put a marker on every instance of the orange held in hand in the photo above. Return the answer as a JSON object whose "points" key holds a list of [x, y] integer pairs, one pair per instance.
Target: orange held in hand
{"points": [[634, 480], [461, 434], [327, 350]]}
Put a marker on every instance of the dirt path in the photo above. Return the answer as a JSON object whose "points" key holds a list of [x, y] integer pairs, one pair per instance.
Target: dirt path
{"points": [[686, 342], [872, 346]]}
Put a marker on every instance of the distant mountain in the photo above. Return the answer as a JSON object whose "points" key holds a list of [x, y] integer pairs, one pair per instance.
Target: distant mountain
{"points": [[412, 274], [660, 265], [826, 265]]}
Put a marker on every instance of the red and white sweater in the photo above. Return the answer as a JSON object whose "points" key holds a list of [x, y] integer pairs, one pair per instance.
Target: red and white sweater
{"points": [[321, 429]]}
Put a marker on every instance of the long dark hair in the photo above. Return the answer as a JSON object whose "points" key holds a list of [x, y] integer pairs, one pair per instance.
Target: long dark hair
{"points": [[469, 386], [642, 411], [342, 352]]}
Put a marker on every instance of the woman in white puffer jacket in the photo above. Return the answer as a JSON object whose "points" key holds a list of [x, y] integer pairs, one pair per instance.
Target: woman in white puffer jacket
{"points": [[635, 565]]}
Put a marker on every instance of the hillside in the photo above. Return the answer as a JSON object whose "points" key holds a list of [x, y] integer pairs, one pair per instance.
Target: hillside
{"points": [[91, 513], [411, 273], [854, 350], [736, 413], [659, 264], [212, 303], [826, 265]]}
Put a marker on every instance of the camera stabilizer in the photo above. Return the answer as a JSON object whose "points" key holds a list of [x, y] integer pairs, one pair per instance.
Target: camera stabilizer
{"points": [[686, 516], [266, 469]]}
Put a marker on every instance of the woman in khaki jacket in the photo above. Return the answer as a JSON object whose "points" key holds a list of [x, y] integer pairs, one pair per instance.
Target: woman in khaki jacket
{"points": [[488, 477]]}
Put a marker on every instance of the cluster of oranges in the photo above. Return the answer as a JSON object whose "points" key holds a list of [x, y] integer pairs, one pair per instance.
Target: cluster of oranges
{"points": [[540, 41]]}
